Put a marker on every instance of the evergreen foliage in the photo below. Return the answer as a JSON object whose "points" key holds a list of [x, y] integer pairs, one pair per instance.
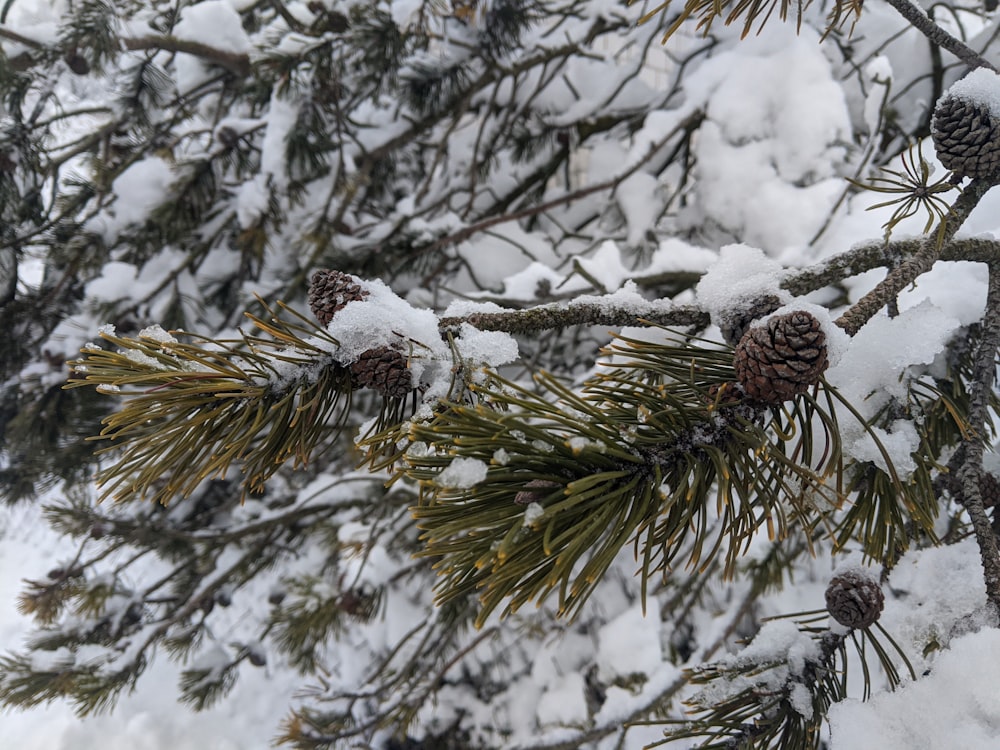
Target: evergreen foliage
{"points": [[385, 477]]}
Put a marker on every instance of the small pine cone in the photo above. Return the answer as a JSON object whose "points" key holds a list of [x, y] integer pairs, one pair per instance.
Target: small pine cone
{"points": [[383, 369], [735, 323], [854, 599], [534, 491], [779, 360], [329, 293], [967, 135], [989, 488]]}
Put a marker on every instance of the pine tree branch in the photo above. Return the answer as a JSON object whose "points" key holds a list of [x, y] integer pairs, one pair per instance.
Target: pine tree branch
{"points": [[920, 262], [236, 63], [938, 36], [13, 36], [971, 469], [557, 315], [861, 258]]}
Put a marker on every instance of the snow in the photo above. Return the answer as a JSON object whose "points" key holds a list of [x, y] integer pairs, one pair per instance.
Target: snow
{"points": [[628, 644], [980, 86], [492, 348], [143, 719], [741, 275], [766, 168], [463, 473], [955, 706], [144, 183], [564, 702]]}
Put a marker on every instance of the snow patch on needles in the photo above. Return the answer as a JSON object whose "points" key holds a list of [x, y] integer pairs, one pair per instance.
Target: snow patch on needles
{"points": [[876, 367], [492, 348], [463, 473]]}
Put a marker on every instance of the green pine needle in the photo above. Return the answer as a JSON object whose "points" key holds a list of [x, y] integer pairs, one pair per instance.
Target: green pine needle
{"points": [[193, 410]]}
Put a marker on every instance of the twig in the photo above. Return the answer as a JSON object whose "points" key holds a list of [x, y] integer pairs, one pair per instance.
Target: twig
{"points": [[688, 123], [971, 469], [547, 317], [236, 63], [859, 259], [938, 36], [918, 263]]}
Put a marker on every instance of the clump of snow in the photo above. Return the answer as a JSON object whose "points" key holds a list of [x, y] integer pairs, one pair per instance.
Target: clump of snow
{"points": [[533, 513], [955, 706], [564, 701], [605, 267], [898, 442], [944, 593], [526, 283], [462, 308], [980, 86], [784, 652], [140, 189], [383, 319], [156, 333], [463, 473], [638, 198], [741, 275], [879, 355], [629, 644], [493, 348], [215, 23]]}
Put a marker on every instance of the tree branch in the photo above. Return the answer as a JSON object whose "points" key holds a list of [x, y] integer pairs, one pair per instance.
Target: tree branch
{"points": [[970, 470], [583, 311], [559, 315], [236, 63], [920, 262], [938, 36]]}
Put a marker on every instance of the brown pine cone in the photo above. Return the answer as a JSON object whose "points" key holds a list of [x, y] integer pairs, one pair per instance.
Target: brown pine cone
{"points": [[385, 370], [967, 137], [330, 291], [781, 359], [989, 488], [854, 599], [735, 323]]}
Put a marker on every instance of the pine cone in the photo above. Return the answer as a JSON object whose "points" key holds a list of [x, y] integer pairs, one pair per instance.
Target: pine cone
{"points": [[854, 599], [329, 293], [779, 360], [735, 323], [967, 137], [989, 488], [383, 369], [534, 491]]}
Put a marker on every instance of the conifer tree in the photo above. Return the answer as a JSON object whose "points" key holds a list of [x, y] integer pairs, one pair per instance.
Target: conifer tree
{"points": [[387, 319]]}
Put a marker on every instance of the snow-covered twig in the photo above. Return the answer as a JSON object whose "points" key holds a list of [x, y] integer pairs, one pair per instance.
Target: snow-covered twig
{"points": [[971, 469]]}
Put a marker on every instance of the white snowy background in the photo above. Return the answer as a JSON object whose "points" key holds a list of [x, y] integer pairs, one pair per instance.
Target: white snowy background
{"points": [[778, 120]]}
